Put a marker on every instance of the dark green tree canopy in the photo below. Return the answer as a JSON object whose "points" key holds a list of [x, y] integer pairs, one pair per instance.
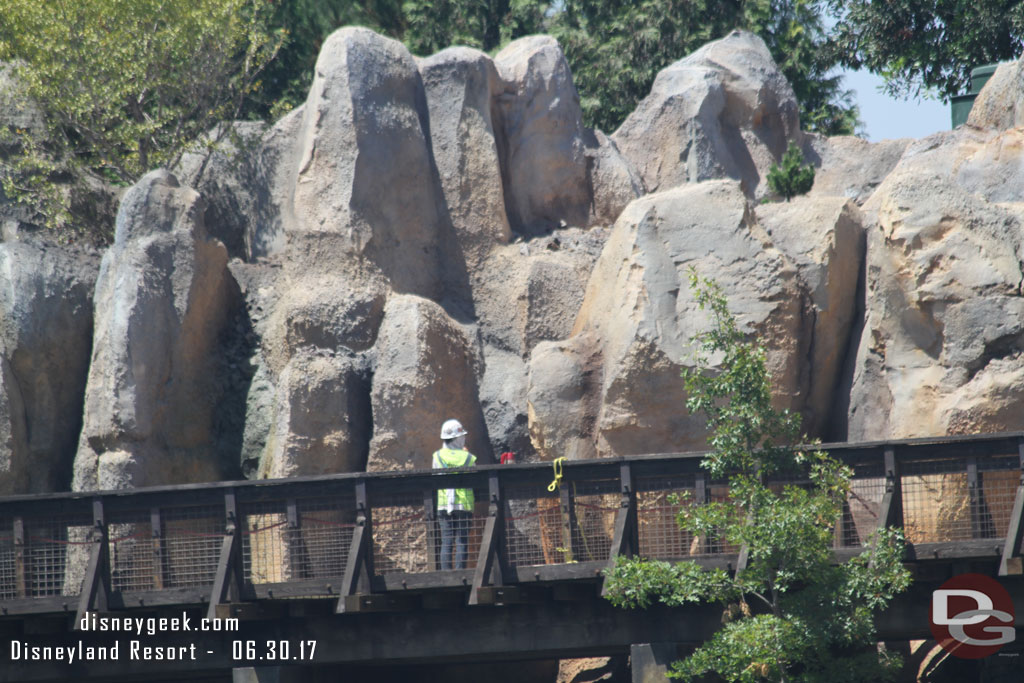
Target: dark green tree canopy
{"points": [[923, 45]]}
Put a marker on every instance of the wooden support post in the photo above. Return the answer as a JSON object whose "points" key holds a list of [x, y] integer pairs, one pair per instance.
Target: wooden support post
{"points": [[227, 584], [974, 498], [430, 515], [626, 539], [96, 582], [359, 565], [890, 512], [20, 560], [296, 548], [567, 506], [156, 526], [700, 497], [489, 564], [1010, 561]]}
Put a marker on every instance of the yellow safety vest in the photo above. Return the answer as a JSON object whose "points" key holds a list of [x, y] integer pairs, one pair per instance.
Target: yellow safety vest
{"points": [[454, 499]]}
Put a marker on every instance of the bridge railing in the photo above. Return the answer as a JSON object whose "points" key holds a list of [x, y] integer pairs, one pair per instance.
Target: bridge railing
{"points": [[353, 536]]}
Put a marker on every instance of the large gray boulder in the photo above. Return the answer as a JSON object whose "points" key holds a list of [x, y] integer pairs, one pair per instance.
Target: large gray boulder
{"points": [[1000, 104], [823, 237], [462, 87], [851, 167], [163, 297], [614, 387], [227, 176], [942, 349], [545, 153], [365, 182], [425, 375], [45, 339], [725, 111], [322, 421]]}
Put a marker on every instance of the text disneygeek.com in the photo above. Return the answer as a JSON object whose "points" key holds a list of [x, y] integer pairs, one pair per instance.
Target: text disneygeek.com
{"points": [[135, 646]]}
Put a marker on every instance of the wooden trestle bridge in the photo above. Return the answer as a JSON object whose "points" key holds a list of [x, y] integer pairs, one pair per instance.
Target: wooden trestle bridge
{"points": [[343, 569]]}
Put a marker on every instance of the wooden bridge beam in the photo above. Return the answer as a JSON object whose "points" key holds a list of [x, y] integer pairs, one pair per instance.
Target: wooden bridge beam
{"points": [[490, 561], [96, 582], [227, 583], [1010, 561], [359, 564], [626, 539]]}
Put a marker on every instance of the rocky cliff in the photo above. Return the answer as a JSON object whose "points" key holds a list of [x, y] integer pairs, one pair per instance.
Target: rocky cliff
{"points": [[443, 237]]}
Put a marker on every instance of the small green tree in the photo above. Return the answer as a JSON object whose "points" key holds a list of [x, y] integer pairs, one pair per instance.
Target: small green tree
{"points": [[793, 177], [793, 615], [124, 86]]}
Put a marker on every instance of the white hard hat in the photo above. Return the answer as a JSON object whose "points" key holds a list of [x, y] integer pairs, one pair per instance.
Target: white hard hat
{"points": [[452, 429]]}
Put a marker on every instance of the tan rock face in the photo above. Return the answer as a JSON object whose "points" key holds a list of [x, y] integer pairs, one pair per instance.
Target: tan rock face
{"points": [[547, 169], [45, 336], [724, 111], [162, 298], [941, 350], [849, 166], [364, 173], [614, 387], [322, 423], [424, 376], [462, 88]]}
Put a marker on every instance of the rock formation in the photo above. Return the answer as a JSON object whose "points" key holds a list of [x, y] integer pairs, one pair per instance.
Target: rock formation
{"points": [[45, 339], [724, 111], [443, 237], [163, 296], [789, 274]]}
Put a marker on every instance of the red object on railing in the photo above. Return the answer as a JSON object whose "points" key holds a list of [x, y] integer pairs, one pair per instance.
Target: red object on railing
{"points": [[508, 457]]}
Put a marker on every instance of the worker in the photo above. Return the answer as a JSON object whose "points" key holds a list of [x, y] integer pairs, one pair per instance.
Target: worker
{"points": [[454, 506]]}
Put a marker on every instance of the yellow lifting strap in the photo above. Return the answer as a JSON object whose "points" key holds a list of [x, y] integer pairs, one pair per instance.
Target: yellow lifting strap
{"points": [[556, 465]]}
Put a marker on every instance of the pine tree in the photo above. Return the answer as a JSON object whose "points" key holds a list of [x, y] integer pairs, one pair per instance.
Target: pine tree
{"points": [[793, 177]]}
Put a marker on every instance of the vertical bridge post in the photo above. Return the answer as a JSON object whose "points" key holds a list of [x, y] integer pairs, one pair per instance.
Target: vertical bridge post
{"points": [[359, 565], [626, 540], [96, 582], [890, 512], [489, 562], [227, 583], [1010, 562]]}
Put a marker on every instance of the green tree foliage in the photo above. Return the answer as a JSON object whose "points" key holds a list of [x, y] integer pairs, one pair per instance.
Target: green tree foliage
{"points": [[793, 178], [305, 24], [436, 24], [792, 615], [927, 45], [125, 85], [616, 48]]}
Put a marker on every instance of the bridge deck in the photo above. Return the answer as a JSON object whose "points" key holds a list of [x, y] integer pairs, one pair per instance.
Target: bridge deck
{"points": [[369, 542]]}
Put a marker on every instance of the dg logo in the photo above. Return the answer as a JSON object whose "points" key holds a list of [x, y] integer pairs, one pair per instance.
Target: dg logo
{"points": [[972, 616]]}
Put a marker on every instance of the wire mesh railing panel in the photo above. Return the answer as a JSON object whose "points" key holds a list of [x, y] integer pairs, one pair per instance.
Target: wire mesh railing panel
{"points": [[997, 481], [56, 553], [533, 527], [400, 535], [593, 526], [718, 492], [192, 540], [860, 516], [265, 542], [658, 502], [323, 538], [8, 575], [936, 501], [131, 543]]}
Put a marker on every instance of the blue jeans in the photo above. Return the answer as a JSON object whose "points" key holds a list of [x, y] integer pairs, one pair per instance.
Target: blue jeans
{"points": [[454, 528]]}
